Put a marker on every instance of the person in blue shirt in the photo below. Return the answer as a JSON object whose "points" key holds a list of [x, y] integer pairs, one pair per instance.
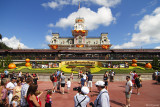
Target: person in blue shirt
{"points": [[58, 72], [6, 73], [83, 81]]}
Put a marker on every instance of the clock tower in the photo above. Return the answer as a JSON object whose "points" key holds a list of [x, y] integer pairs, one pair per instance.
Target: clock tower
{"points": [[79, 31]]}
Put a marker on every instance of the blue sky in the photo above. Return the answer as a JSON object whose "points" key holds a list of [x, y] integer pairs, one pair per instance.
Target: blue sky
{"points": [[129, 23]]}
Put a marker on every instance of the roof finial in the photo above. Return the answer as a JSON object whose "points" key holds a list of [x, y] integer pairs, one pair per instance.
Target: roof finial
{"points": [[79, 5]]}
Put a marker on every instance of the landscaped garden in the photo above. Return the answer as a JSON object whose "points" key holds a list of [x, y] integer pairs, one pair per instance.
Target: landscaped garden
{"points": [[76, 68]]}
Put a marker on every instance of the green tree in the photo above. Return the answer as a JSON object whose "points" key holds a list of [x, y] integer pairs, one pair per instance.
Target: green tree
{"points": [[155, 63], [1, 63], [0, 37], [4, 46], [7, 61]]}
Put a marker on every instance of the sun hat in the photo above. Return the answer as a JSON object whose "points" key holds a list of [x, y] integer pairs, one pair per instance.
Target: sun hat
{"points": [[85, 90], [100, 83]]}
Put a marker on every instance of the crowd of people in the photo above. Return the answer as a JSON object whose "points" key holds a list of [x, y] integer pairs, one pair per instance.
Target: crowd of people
{"points": [[19, 90], [22, 91]]}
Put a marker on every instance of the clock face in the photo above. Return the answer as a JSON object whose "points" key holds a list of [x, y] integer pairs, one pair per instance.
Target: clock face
{"points": [[80, 27]]}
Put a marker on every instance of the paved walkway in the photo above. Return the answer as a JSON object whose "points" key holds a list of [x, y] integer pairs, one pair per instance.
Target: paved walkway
{"points": [[149, 97]]}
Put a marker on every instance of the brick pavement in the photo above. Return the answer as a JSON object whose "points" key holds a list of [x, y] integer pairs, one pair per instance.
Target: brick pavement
{"points": [[149, 97]]}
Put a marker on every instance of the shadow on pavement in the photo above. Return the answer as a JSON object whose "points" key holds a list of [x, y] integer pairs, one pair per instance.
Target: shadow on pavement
{"points": [[117, 103]]}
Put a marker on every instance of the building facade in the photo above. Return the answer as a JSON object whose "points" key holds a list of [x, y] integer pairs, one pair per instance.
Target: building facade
{"points": [[80, 40]]}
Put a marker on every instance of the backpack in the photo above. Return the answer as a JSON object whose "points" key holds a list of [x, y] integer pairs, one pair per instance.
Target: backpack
{"points": [[99, 98], [135, 75], [51, 77], [137, 81]]}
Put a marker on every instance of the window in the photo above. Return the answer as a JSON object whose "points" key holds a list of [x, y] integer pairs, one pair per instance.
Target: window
{"points": [[80, 39], [55, 41]]}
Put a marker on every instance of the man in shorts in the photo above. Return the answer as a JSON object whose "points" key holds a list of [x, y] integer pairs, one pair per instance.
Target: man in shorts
{"points": [[134, 75], [54, 82], [53, 78], [89, 78], [63, 82], [128, 91]]}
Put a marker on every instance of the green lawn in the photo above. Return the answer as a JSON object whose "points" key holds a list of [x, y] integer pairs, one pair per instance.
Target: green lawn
{"points": [[96, 70], [126, 71]]}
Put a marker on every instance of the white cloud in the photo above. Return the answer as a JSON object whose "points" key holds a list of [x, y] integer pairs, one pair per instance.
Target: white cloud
{"points": [[106, 3], [51, 4], [59, 3], [118, 14], [13, 42], [51, 25], [50, 31], [48, 38], [143, 10], [158, 47], [92, 19], [129, 34], [149, 31], [140, 13]]}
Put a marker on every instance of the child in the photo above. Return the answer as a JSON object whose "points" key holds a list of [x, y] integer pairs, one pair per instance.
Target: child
{"points": [[68, 84], [15, 101], [71, 77], [48, 98]]}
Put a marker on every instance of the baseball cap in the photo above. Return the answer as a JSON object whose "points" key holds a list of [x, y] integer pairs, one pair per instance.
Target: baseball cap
{"points": [[100, 83], [85, 90], [13, 78]]}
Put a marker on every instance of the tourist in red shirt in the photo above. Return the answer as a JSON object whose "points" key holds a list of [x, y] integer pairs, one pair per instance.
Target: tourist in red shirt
{"points": [[31, 96]]}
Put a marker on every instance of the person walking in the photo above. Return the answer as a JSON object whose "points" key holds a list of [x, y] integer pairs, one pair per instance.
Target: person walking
{"points": [[102, 99], [53, 78], [68, 85], [58, 81], [112, 76], [156, 76], [128, 91], [81, 99], [105, 79], [71, 77], [62, 80], [134, 75], [89, 78], [82, 81], [138, 82]]}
